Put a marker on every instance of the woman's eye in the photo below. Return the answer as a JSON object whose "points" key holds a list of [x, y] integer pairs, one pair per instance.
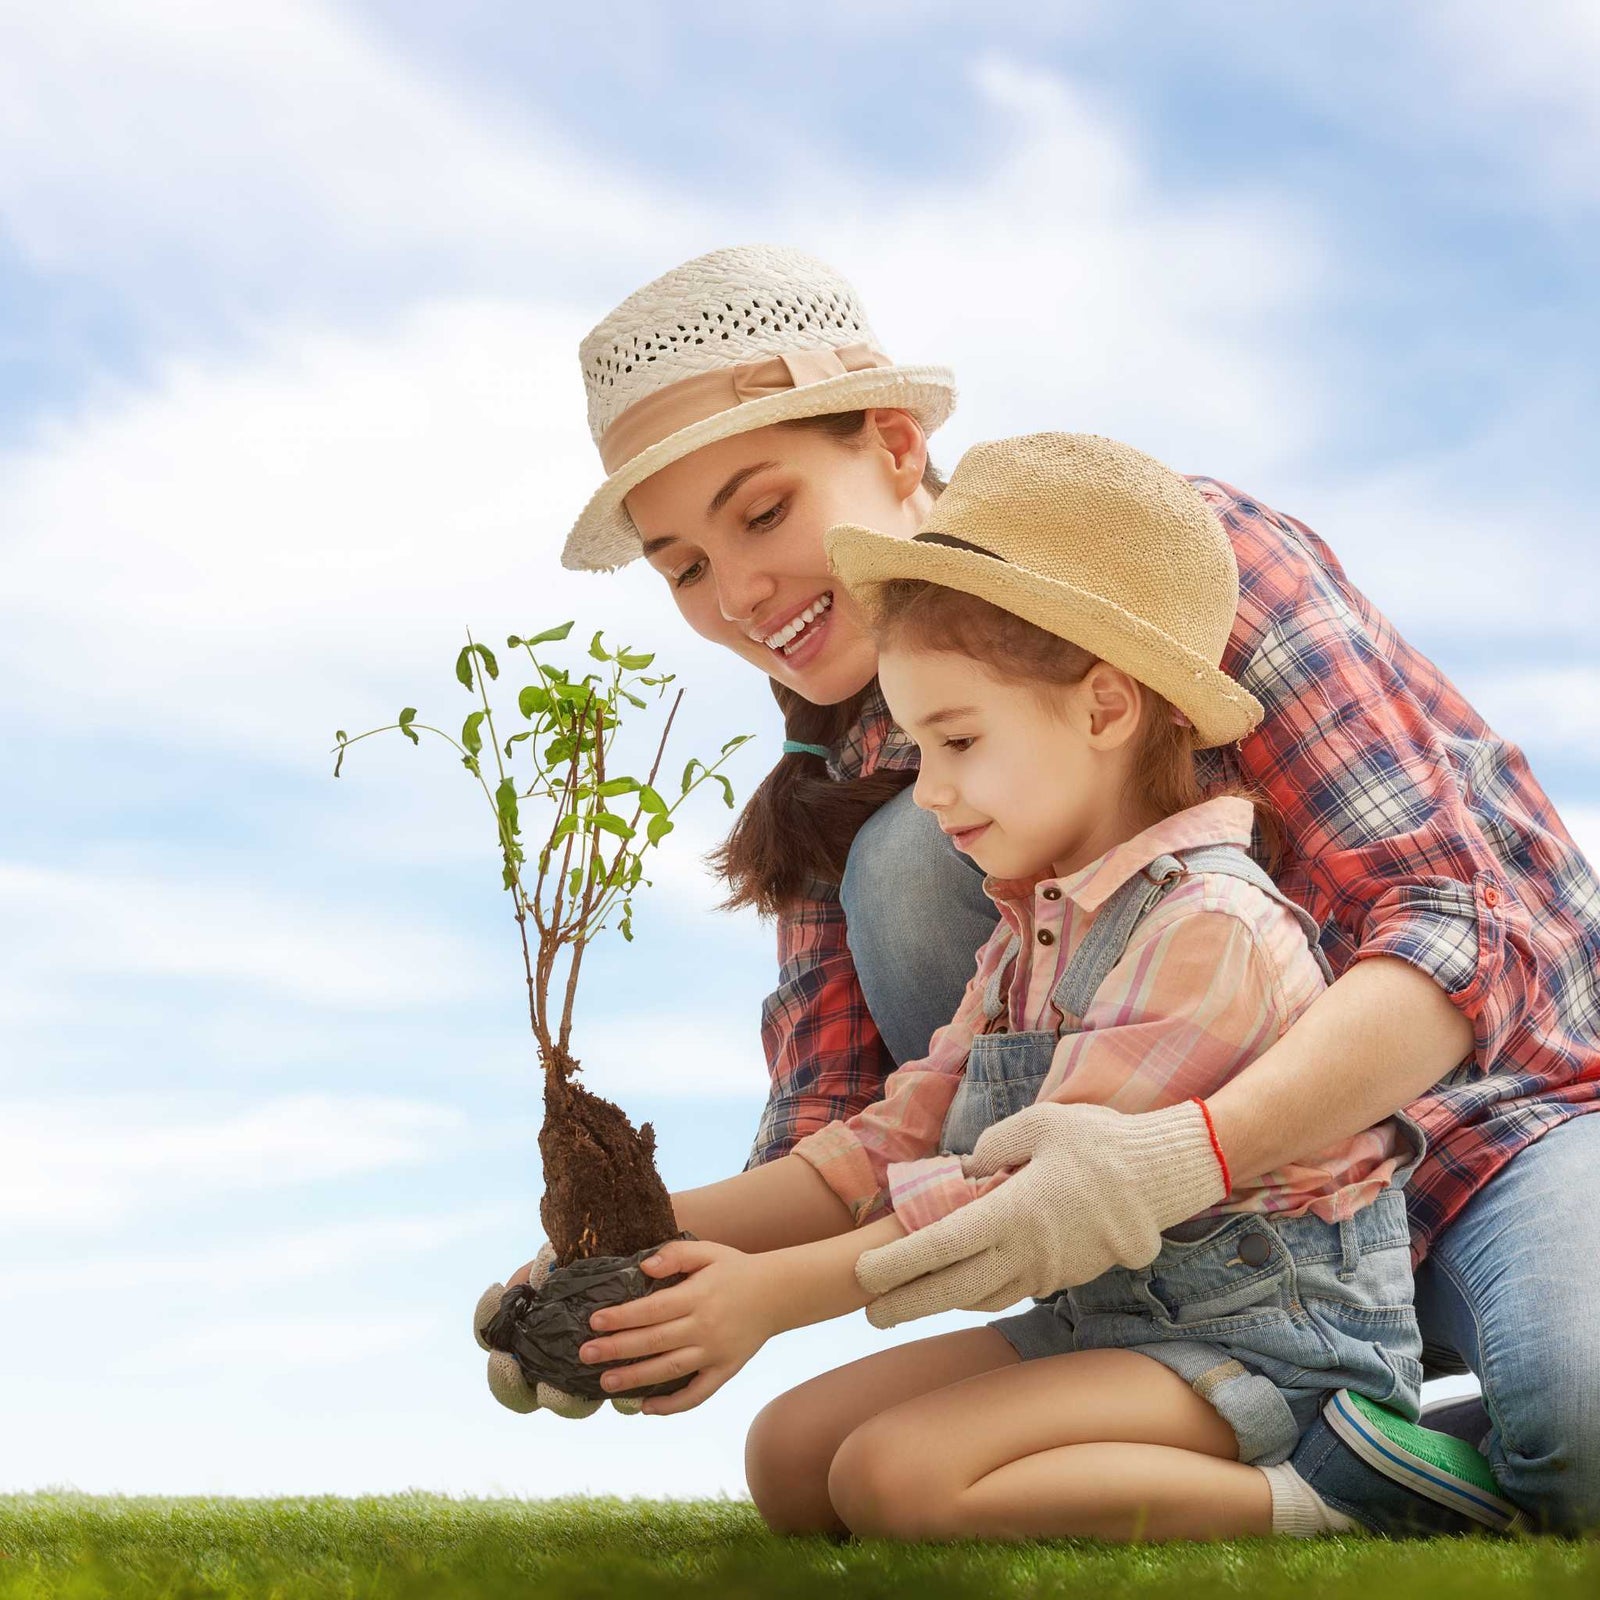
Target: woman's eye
{"points": [[690, 574], [769, 518], [958, 745]]}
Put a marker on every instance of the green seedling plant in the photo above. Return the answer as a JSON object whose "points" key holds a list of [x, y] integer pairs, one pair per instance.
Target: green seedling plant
{"points": [[602, 1196]]}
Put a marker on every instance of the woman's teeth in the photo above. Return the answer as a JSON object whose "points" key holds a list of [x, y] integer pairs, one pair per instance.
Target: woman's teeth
{"points": [[784, 639]]}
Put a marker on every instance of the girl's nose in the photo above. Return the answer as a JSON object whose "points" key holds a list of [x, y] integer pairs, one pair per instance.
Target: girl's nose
{"points": [[929, 793]]}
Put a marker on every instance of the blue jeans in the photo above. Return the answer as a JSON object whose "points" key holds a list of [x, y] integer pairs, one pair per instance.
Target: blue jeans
{"points": [[1513, 1284]]}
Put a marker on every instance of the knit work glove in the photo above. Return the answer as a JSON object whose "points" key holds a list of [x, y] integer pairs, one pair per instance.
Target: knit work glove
{"points": [[506, 1382], [1093, 1189]]}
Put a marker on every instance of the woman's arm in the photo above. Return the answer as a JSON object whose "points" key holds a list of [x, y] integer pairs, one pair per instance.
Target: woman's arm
{"points": [[1094, 1188], [1381, 1036]]}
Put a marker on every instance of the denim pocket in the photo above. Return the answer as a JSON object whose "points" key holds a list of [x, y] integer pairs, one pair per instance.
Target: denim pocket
{"points": [[1003, 1076]]}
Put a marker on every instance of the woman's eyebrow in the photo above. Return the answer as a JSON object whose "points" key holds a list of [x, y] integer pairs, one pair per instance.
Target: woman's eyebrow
{"points": [[659, 543], [731, 487]]}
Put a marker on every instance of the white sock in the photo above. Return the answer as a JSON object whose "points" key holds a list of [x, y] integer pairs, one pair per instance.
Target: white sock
{"points": [[1297, 1509]]}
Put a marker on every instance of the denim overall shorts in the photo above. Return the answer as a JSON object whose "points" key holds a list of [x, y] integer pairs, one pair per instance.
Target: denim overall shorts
{"points": [[1263, 1317]]}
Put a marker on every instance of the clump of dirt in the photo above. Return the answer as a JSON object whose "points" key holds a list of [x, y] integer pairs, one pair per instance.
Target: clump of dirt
{"points": [[544, 1327], [602, 1193]]}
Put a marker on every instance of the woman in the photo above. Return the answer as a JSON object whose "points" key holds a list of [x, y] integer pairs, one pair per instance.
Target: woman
{"points": [[742, 407]]}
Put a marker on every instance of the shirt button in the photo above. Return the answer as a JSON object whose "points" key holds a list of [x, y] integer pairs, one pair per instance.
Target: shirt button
{"points": [[1255, 1249], [1491, 896], [1046, 937], [1050, 892]]}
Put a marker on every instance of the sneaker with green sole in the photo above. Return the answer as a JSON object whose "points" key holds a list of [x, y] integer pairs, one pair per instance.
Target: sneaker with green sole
{"points": [[1437, 1466]]}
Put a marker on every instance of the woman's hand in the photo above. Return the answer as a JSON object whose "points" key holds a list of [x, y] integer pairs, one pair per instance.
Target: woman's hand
{"points": [[710, 1324]]}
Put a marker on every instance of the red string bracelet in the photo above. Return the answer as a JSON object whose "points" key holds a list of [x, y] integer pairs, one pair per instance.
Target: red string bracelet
{"points": [[1216, 1147]]}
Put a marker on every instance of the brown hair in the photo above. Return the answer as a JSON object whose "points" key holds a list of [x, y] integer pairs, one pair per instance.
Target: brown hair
{"points": [[799, 824], [927, 616]]}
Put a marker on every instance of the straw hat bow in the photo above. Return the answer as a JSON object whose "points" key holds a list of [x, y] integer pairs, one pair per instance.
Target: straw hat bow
{"points": [[731, 341], [1091, 540]]}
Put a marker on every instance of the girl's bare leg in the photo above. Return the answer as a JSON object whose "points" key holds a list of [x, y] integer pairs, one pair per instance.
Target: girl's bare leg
{"points": [[1103, 1443], [792, 1441]]}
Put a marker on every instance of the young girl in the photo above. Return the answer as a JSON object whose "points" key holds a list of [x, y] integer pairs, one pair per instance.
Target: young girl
{"points": [[1051, 641]]}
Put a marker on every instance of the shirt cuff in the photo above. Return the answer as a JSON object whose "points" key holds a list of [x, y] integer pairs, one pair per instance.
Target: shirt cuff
{"points": [[1456, 933], [839, 1158], [923, 1191]]}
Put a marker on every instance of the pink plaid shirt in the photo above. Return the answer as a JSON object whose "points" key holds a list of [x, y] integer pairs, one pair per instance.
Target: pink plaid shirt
{"points": [[1213, 975]]}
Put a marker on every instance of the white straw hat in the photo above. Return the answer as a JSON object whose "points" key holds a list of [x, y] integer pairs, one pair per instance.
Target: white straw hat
{"points": [[731, 341], [1091, 540]]}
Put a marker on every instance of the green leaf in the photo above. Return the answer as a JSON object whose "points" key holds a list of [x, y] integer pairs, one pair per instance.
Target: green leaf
{"points": [[598, 650], [533, 700], [651, 801], [568, 824], [618, 786], [612, 823], [471, 765], [626, 695], [626, 925], [505, 802], [342, 737], [464, 663], [736, 741], [574, 882], [405, 719], [517, 738], [549, 636], [470, 736], [688, 773], [727, 789], [659, 828], [633, 661]]}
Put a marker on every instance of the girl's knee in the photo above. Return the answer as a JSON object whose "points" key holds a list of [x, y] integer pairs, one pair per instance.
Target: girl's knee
{"points": [[786, 1459], [883, 1486]]}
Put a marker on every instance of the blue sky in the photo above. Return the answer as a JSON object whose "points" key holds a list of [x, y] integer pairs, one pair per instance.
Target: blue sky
{"points": [[289, 303]]}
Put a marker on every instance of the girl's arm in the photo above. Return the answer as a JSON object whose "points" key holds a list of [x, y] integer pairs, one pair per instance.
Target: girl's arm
{"points": [[769, 1207], [727, 1307]]}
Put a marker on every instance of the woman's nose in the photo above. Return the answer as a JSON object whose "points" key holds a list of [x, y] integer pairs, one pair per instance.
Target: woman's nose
{"points": [[741, 593]]}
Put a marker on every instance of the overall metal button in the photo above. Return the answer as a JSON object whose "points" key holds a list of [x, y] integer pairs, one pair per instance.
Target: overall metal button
{"points": [[1051, 892], [1255, 1249], [1046, 937]]}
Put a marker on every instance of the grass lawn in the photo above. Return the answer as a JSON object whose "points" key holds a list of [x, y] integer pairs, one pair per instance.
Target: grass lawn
{"points": [[422, 1545]]}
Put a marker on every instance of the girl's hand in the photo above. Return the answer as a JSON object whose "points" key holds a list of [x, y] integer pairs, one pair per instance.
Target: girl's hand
{"points": [[710, 1324]]}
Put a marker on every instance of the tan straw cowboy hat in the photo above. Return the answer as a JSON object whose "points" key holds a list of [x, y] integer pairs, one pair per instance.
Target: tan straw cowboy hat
{"points": [[1093, 541], [735, 340]]}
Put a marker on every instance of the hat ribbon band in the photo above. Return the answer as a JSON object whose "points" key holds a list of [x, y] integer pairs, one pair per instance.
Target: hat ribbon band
{"points": [[679, 405], [929, 537]]}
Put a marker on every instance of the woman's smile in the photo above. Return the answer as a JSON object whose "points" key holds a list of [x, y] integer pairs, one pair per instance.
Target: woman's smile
{"points": [[800, 638]]}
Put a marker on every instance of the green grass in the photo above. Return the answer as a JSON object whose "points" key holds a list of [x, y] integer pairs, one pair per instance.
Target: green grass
{"points": [[84, 1547]]}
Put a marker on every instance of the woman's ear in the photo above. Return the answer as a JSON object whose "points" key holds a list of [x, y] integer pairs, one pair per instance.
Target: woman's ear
{"points": [[1115, 705], [899, 435]]}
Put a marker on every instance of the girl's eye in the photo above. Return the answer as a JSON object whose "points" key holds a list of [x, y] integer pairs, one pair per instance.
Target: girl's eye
{"points": [[769, 518], [958, 745], [690, 574]]}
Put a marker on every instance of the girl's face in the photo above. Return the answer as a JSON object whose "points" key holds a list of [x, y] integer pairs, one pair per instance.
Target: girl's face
{"points": [[1026, 786], [736, 531]]}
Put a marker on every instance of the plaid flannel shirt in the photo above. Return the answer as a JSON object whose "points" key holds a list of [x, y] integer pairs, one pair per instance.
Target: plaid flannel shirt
{"points": [[1413, 831]]}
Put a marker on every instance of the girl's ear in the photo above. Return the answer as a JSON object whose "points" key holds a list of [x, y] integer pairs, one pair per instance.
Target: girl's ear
{"points": [[899, 435], [1114, 703]]}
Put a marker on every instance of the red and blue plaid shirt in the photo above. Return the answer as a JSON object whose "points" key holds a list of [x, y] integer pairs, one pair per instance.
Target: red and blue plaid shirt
{"points": [[1412, 830]]}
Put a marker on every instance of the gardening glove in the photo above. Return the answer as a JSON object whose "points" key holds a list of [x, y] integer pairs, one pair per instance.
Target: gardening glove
{"points": [[506, 1382], [1093, 1189]]}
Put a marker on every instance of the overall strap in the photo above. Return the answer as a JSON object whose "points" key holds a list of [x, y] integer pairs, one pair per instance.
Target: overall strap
{"points": [[1106, 942], [1232, 862], [992, 1002]]}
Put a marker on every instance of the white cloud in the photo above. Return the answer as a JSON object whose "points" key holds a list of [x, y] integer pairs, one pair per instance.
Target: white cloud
{"points": [[1554, 708], [1527, 77], [88, 1164], [687, 1055], [274, 150], [222, 926]]}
